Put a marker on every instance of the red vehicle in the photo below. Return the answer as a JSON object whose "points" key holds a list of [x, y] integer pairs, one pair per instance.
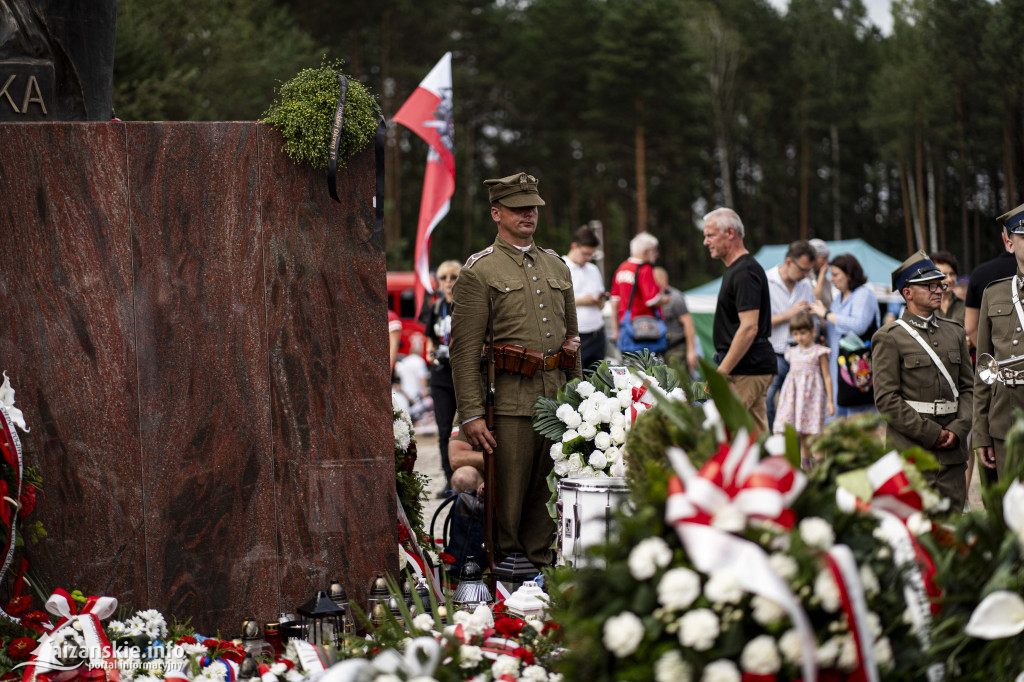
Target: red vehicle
{"points": [[402, 300]]}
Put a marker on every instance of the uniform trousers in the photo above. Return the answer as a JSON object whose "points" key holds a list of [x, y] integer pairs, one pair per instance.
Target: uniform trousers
{"points": [[751, 390], [523, 462], [950, 480]]}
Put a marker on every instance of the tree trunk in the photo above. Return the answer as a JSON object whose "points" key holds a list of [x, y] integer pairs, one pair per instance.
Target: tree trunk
{"points": [[641, 169], [933, 236], [805, 173], [918, 182], [962, 171], [940, 185], [907, 203], [1009, 181], [469, 216], [837, 228]]}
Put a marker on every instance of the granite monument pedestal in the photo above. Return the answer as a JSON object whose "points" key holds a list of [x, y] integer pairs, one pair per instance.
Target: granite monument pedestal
{"points": [[197, 335]]}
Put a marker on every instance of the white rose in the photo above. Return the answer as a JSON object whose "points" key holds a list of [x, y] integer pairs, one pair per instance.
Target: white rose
{"points": [[918, 524], [829, 652], [584, 406], [618, 419], [598, 460], [678, 588], [608, 410], [635, 381], [618, 435], [570, 434], [816, 532], [766, 611], [784, 565], [869, 581], [648, 556], [883, 653], [723, 588], [563, 412], [671, 667], [722, 670], [505, 665], [620, 381], [625, 397], [848, 659], [623, 633], [557, 453], [482, 616], [677, 394], [588, 430], [792, 649], [603, 440], [561, 469], [613, 454], [534, 673], [827, 592], [470, 656], [575, 463], [592, 417], [618, 469], [599, 398], [760, 656], [424, 622], [698, 629], [585, 389]]}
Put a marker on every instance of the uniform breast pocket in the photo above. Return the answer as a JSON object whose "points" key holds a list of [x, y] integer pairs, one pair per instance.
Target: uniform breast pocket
{"points": [[509, 300], [919, 371], [558, 288], [953, 365], [1001, 320]]}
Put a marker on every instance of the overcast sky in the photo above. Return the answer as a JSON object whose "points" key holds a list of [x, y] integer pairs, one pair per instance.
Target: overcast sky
{"points": [[878, 11]]}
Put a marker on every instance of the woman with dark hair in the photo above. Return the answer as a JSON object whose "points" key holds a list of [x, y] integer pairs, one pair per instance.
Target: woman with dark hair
{"points": [[952, 306], [854, 309]]}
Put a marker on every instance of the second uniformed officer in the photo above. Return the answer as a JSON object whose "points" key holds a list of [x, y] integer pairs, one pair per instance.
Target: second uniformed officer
{"points": [[536, 344], [923, 379], [1000, 321]]}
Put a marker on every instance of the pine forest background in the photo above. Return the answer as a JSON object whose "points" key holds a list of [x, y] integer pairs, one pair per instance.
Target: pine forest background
{"points": [[642, 113]]}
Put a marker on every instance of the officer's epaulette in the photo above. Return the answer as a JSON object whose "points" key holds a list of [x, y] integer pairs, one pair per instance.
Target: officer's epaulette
{"points": [[1001, 279], [549, 251], [477, 256]]}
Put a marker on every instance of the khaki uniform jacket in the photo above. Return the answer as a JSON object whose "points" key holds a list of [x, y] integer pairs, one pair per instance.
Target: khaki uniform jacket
{"points": [[534, 306], [999, 335], [902, 370]]}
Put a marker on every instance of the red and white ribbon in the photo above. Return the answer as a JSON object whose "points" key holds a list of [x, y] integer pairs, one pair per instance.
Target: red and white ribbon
{"points": [[10, 446], [45, 657], [843, 566], [731, 487], [641, 402]]}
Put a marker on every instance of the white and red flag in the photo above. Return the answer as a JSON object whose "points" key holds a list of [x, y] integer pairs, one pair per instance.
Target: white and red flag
{"points": [[428, 113]]}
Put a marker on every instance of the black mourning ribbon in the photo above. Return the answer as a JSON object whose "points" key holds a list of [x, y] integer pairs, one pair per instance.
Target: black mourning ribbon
{"points": [[332, 157]]}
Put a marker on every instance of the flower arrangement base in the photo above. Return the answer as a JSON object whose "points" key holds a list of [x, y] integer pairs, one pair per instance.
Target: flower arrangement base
{"points": [[586, 514]]}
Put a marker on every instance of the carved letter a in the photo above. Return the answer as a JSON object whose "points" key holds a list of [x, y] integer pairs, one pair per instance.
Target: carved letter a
{"points": [[32, 83]]}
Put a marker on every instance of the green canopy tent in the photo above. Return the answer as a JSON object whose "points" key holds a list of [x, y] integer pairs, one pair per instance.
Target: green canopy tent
{"points": [[877, 268]]}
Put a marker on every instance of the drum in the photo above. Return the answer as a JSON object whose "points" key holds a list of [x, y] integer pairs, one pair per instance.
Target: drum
{"points": [[585, 517]]}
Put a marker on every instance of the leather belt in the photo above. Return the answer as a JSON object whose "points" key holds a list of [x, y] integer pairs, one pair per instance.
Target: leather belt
{"points": [[937, 408], [517, 359]]}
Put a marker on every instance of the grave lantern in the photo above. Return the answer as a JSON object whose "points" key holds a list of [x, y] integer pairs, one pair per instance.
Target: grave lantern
{"points": [[321, 620], [471, 591], [337, 594]]}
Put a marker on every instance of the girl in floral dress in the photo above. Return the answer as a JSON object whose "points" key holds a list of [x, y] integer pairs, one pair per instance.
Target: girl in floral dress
{"points": [[807, 392]]}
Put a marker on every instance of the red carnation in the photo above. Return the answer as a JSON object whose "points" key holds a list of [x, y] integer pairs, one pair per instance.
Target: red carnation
{"points": [[211, 644], [21, 648], [508, 627], [35, 620], [19, 605], [187, 639], [446, 558], [10, 677], [550, 626], [403, 533], [28, 500], [523, 654], [232, 652]]}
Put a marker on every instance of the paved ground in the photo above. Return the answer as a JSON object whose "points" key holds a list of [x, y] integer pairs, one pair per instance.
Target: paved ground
{"points": [[429, 463]]}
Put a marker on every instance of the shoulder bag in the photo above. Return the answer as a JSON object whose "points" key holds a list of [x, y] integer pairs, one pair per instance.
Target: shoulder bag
{"points": [[643, 331]]}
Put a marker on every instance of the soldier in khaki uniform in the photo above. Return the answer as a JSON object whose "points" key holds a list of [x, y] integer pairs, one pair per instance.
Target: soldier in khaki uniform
{"points": [[923, 379], [999, 334], [537, 337]]}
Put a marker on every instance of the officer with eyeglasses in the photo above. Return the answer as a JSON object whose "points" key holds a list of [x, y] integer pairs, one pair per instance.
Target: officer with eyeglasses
{"points": [[924, 383], [1000, 324]]}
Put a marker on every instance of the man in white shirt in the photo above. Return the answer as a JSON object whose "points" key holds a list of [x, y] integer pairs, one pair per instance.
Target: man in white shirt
{"points": [[588, 287], [790, 292]]}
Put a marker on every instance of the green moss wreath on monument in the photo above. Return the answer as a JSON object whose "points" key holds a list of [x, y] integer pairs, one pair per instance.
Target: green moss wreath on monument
{"points": [[304, 111]]}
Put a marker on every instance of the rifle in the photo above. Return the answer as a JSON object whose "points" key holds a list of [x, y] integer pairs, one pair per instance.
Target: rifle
{"points": [[490, 475]]}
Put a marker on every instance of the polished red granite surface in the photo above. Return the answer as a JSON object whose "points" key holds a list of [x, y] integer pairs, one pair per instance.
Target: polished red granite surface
{"points": [[197, 335]]}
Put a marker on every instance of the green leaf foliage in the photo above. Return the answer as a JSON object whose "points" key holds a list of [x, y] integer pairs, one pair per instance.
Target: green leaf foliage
{"points": [[304, 114]]}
